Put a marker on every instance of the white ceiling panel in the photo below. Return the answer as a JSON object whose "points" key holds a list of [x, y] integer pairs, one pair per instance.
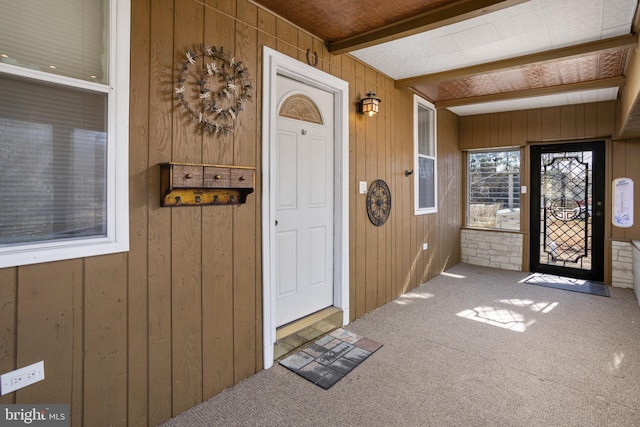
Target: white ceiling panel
{"points": [[582, 97]]}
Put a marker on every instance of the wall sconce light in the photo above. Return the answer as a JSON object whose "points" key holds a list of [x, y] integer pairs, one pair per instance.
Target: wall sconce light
{"points": [[370, 104]]}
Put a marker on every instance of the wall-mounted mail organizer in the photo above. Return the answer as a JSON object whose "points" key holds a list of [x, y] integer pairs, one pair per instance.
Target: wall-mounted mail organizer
{"points": [[188, 184]]}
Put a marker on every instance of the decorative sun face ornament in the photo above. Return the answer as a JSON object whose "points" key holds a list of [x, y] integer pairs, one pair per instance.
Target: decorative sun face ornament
{"points": [[213, 89]]}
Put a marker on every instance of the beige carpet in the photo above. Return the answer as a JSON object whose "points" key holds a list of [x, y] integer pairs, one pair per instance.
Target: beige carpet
{"points": [[472, 347]]}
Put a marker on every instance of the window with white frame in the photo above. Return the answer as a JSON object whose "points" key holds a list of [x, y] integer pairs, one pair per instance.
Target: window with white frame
{"points": [[425, 161], [64, 107], [493, 189]]}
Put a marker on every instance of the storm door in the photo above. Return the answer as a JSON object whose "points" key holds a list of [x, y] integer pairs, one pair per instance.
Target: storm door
{"points": [[567, 210]]}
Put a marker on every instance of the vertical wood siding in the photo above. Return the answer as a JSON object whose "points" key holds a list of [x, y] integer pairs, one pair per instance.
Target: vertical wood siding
{"points": [[136, 338], [518, 128]]}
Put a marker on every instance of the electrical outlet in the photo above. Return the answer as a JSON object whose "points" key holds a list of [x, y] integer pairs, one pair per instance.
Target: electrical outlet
{"points": [[363, 187], [425, 246], [15, 380]]}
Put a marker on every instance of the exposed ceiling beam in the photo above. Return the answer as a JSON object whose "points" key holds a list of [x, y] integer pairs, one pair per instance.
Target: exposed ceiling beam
{"points": [[530, 93], [635, 25], [446, 15], [620, 42]]}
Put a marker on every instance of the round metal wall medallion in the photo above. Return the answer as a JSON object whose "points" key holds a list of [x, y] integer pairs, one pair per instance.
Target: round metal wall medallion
{"points": [[378, 202]]}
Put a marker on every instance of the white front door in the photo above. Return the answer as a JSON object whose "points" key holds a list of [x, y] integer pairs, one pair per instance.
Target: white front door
{"points": [[304, 200]]}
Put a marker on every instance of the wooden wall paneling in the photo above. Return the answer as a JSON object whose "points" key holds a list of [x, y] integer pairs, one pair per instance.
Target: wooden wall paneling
{"points": [[359, 304], [534, 125], [624, 158], [138, 363], [247, 12], [466, 133], [606, 119], [505, 134], [550, 123], [380, 132], [590, 120], [416, 247], [633, 172], [186, 236], [251, 18], [287, 38], [446, 251], [619, 169], [493, 139], [518, 128], [371, 170], [161, 67], [228, 7], [430, 236], [217, 253], [267, 24], [608, 178], [478, 131], [408, 261], [266, 37], [568, 127], [580, 119], [245, 228], [324, 57], [333, 66], [186, 308], [8, 325], [44, 330], [217, 298], [391, 178], [487, 139], [396, 172], [105, 340], [401, 190]]}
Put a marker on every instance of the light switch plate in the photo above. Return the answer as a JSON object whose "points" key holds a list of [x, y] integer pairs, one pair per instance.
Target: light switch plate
{"points": [[363, 187]]}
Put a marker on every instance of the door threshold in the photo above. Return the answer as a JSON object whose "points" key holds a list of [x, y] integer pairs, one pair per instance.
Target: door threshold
{"points": [[298, 333]]}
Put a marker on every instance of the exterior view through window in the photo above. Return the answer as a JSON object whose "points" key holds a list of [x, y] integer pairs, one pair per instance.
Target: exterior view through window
{"points": [[493, 189]]}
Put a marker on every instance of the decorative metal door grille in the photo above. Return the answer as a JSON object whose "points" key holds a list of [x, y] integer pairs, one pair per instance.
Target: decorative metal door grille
{"points": [[565, 209]]}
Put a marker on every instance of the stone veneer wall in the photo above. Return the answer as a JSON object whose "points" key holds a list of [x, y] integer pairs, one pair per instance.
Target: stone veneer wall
{"points": [[621, 264], [636, 268], [492, 249]]}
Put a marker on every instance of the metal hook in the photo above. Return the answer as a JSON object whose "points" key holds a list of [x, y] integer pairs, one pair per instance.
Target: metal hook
{"points": [[408, 172]]}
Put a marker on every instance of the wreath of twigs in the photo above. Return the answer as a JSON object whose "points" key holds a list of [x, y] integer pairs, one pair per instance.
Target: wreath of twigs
{"points": [[216, 93]]}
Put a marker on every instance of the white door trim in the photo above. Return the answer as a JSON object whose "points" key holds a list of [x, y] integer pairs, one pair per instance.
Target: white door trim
{"points": [[274, 64]]}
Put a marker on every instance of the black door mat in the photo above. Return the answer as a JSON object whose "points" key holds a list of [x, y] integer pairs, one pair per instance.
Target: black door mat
{"points": [[568, 284], [330, 358]]}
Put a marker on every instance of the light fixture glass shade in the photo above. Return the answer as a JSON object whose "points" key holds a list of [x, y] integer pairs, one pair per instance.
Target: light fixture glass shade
{"points": [[370, 104]]}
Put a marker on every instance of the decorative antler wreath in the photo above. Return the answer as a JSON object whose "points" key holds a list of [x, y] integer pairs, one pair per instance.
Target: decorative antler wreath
{"points": [[218, 91]]}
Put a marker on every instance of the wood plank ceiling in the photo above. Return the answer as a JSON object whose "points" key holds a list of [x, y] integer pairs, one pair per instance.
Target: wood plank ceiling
{"points": [[573, 64]]}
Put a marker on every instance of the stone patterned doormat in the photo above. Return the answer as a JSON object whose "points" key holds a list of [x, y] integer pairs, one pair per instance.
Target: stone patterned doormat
{"points": [[330, 358]]}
